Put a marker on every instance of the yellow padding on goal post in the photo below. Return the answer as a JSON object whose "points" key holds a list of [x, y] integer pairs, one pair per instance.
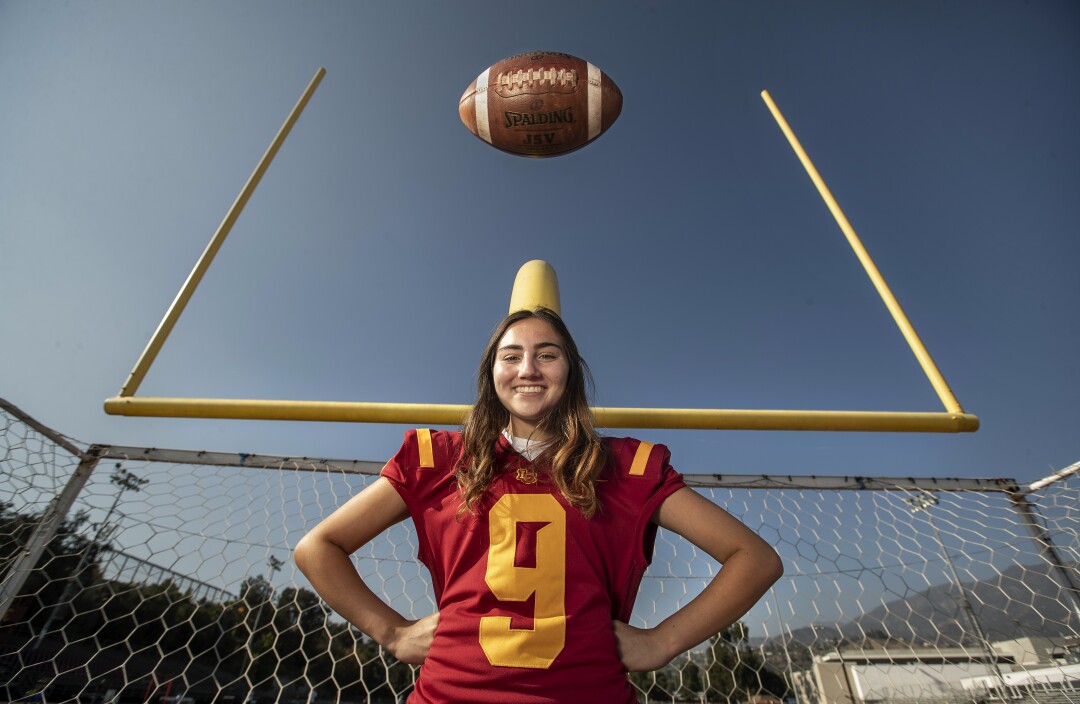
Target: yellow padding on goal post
{"points": [[423, 438], [641, 458]]}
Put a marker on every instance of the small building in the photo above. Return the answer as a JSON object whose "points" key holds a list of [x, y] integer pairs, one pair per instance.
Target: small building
{"points": [[892, 672]]}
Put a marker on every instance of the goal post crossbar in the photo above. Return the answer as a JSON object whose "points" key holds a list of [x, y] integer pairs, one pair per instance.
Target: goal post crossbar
{"points": [[452, 414]]}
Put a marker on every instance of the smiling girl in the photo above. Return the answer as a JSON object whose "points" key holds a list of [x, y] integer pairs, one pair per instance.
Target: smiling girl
{"points": [[536, 532]]}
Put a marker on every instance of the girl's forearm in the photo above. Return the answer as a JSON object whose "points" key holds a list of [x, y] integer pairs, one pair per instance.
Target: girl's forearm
{"points": [[742, 580], [336, 580]]}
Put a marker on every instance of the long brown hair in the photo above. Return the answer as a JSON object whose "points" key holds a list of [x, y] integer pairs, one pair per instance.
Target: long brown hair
{"points": [[576, 457]]}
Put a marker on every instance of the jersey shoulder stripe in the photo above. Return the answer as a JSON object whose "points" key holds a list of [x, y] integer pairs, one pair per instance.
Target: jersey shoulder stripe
{"points": [[431, 449], [637, 458], [423, 442], [641, 459]]}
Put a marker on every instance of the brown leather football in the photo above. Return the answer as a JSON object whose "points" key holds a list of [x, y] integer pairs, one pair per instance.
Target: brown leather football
{"points": [[540, 104]]}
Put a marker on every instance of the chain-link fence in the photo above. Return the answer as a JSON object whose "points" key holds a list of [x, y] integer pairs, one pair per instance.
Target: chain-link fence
{"points": [[137, 575]]}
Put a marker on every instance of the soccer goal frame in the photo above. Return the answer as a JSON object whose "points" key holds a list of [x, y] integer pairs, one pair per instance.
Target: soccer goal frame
{"points": [[535, 285]]}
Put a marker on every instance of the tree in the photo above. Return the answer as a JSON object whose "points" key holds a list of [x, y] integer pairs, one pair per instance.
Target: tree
{"points": [[47, 584], [159, 630], [689, 681], [736, 671], [658, 685], [256, 594], [303, 643]]}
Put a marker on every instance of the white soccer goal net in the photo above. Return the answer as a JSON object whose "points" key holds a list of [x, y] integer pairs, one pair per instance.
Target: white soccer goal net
{"points": [[138, 575]]}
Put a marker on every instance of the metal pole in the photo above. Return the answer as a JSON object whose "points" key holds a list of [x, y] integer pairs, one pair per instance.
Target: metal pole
{"points": [[1050, 554], [452, 414], [73, 583], [45, 430], [24, 564], [922, 503], [1057, 476], [965, 601], [844, 669], [188, 289], [906, 328]]}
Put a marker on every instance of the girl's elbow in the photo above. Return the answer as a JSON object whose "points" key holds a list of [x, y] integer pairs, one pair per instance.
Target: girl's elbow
{"points": [[774, 566], [302, 553]]}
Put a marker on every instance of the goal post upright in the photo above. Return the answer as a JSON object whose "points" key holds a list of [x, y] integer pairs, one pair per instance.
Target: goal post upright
{"points": [[157, 340], [906, 328]]}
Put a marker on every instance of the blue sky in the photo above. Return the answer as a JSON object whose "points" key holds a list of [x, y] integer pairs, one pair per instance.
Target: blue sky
{"points": [[698, 266]]}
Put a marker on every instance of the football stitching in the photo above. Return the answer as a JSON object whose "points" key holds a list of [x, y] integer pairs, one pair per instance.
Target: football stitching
{"points": [[532, 77]]}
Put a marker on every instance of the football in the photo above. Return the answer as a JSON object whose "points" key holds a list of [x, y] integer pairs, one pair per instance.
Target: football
{"points": [[540, 104]]}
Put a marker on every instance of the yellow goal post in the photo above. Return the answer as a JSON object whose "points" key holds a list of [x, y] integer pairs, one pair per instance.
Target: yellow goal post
{"points": [[536, 284]]}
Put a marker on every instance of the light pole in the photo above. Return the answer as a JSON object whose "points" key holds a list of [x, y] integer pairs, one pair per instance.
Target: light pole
{"points": [[275, 566], [921, 503], [126, 481]]}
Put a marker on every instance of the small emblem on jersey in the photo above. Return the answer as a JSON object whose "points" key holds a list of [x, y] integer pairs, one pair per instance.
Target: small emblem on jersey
{"points": [[526, 475]]}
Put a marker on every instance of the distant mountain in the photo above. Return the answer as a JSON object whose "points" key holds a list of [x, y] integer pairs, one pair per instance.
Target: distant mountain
{"points": [[1022, 600]]}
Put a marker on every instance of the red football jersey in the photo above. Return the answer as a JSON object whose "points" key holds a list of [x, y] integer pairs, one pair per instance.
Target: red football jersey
{"points": [[527, 587]]}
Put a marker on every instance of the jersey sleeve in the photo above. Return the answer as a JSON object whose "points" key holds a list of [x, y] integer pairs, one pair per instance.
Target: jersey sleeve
{"points": [[400, 470], [403, 473], [650, 467], [422, 474], [645, 479], [422, 470], [665, 482]]}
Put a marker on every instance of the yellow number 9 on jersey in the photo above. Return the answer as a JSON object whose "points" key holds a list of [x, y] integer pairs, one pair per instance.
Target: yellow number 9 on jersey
{"points": [[537, 646]]}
